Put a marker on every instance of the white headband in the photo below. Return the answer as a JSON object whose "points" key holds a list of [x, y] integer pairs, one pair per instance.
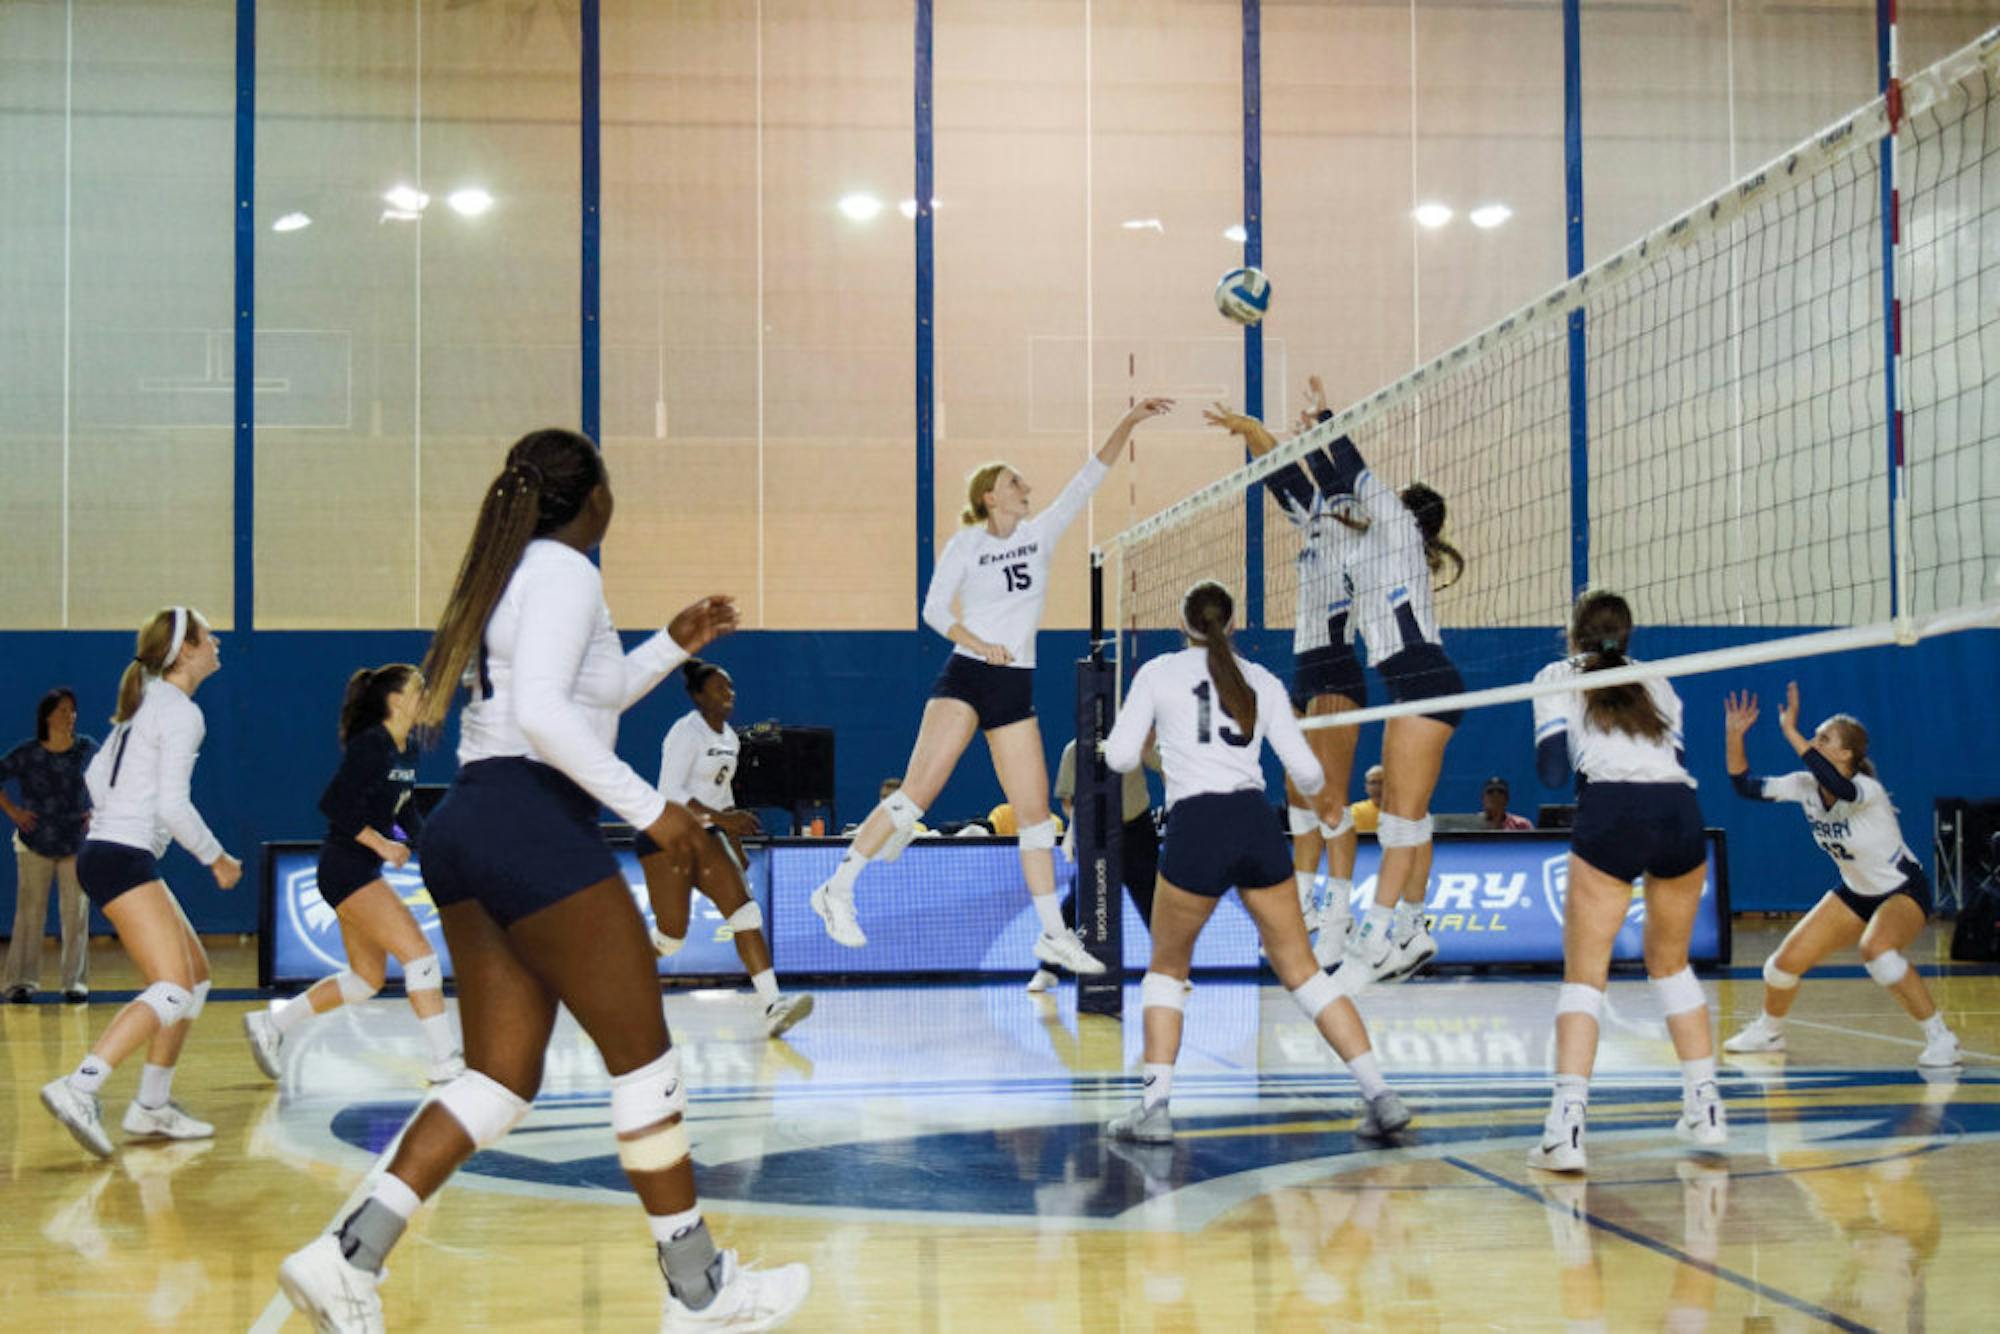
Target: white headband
{"points": [[174, 644]]}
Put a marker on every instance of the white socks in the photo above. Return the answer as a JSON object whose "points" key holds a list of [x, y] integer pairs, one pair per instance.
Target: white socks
{"points": [[438, 1035], [766, 983], [90, 1074], [1934, 1026], [1368, 1075], [1159, 1083], [156, 1085], [294, 1012], [1049, 909], [849, 871]]}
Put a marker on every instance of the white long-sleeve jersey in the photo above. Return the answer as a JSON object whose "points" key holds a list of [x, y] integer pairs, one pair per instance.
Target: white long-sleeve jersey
{"points": [[1606, 756], [139, 781], [556, 679], [1201, 748], [697, 764], [1000, 583], [1862, 835], [1394, 608]]}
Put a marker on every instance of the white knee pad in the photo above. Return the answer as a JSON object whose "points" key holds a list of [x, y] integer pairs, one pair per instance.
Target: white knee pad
{"points": [[1346, 826], [1316, 993], [1159, 990], [423, 974], [747, 918], [1888, 968], [1393, 831], [198, 997], [667, 946], [1300, 820], [1679, 992], [643, 1102], [486, 1108], [354, 988], [168, 1000], [1578, 998], [1039, 837], [1776, 978], [903, 816]]}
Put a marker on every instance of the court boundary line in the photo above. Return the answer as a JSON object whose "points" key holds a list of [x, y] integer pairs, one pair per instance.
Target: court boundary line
{"points": [[1668, 1250], [1884, 1037]]}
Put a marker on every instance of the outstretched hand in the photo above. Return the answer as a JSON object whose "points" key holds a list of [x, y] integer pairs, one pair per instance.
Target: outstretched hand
{"points": [[1739, 712], [697, 626], [1254, 433], [1144, 409], [1788, 717]]}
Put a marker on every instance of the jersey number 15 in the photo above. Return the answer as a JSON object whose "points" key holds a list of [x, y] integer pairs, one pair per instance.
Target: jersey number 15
{"points": [[1018, 578]]}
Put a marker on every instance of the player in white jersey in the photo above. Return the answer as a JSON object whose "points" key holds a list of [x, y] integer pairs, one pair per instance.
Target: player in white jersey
{"points": [[1326, 679], [986, 597], [1883, 899], [1636, 816], [1212, 712], [139, 796], [535, 909], [697, 760], [1395, 549]]}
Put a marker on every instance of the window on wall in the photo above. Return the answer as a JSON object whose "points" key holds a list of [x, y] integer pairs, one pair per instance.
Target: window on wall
{"points": [[758, 297], [417, 247], [115, 197]]}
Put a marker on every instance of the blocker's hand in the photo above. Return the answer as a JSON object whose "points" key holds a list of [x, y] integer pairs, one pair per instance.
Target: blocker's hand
{"points": [[708, 620], [1739, 712], [1252, 432]]}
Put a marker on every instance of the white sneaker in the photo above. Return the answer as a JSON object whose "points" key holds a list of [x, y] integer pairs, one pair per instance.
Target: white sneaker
{"points": [[1704, 1123], [1940, 1053], [333, 1294], [1043, 980], [785, 1011], [1140, 1124], [1065, 950], [265, 1042], [1418, 949], [80, 1114], [444, 1069], [1387, 1114], [1761, 1034], [748, 1299], [1331, 942], [1368, 957], [1561, 1145], [167, 1121], [836, 910]]}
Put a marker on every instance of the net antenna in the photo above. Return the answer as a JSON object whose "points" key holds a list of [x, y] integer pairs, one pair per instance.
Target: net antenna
{"points": [[1746, 478]]}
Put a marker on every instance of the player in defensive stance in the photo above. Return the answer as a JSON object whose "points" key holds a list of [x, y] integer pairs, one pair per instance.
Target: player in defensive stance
{"points": [[1212, 712], [1636, 815], [534, 907], [1883, 899], [996, 572], [139, 798], [697, 761], [366, 801]]}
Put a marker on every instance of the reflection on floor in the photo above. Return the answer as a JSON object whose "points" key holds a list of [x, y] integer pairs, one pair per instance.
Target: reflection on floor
{"points": [[934, 1154]]}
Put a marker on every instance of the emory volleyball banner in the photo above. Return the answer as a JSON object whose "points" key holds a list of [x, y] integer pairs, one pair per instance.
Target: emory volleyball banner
{"points": [[958, 906]]}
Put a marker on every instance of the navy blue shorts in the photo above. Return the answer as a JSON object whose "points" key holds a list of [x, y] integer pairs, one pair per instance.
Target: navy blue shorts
{"points": [[643, 846], [1332, 670], [106, 870], [1627, 830], [1423, 672], [345, 866], [1915, 883], [1219, 839], [999, 695], [515, 836]]}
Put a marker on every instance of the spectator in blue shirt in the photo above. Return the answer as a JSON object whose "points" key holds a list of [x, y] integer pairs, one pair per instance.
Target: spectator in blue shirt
{"points": [[49, 816]]}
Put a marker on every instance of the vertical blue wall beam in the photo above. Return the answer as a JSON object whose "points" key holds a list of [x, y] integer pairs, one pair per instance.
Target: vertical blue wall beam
{"points": [[926, 312], [1579, 379], [1253, 257], [591, 339], [1886, 78], [244, 407]]}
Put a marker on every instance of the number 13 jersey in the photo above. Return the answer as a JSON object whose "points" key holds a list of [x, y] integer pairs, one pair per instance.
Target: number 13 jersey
{"points": [[1201, 748], [1000, 583]]}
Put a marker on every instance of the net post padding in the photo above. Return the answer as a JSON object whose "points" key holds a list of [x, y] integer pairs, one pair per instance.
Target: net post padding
{"points": [[1099, 810]]}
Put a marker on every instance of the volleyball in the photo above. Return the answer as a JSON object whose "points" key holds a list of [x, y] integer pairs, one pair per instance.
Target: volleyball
{"points": [[1243, 295]]}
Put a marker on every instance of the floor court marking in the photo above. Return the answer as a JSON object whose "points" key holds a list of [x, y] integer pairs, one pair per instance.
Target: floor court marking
{"points": [[1883, 1037], [1674, 1253]]}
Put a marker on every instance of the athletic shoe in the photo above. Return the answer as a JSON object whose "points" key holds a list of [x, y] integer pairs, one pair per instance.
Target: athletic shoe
{"points": [[836, 910], [1416, 950], [167, 1121], [1561, 1146], [80, 1114], [444, 1069], [1940, 1053], [1703, 1122], [76, 995], [1761, 1034], [1387, 1114], [1331, 942], [747, 1299], [1064, 950], [785, 1011], [333, 1294], [1140, 1124], [1043, 980], [20, 995], [265, 1042], [1368, 957]]}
